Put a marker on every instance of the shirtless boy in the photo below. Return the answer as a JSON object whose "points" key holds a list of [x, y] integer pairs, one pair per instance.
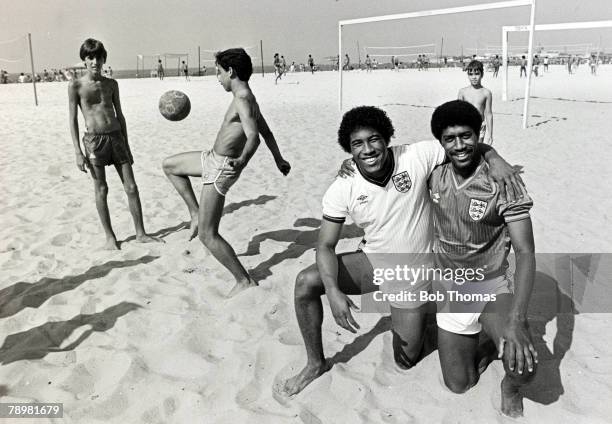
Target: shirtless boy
{"points": [[160, 69], [481, 98], [106, 140], [220, 167], [465, 202], [185, 71]]}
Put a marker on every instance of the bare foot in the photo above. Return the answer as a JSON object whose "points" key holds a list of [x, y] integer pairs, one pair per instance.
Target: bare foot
{"points": [[511, 399], [148, 239], [110, 244], [193, 228], [298, 382], [241, 287]]}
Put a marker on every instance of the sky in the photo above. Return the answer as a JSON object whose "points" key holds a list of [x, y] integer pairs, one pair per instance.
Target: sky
{"points": [[294, 28]]}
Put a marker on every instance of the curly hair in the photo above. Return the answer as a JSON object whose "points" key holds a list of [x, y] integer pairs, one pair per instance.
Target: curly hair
{"points": [[237, 59], [364, 117], [92, 48], [456, 112]]}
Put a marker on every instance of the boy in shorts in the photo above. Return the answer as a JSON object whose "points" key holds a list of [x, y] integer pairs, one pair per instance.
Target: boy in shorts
{"points": [[467, 206], [220, 167], [481, 98], [106, 140]]}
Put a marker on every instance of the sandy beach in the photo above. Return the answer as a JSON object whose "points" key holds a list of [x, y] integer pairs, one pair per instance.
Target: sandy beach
{"points": [[146, 335]]}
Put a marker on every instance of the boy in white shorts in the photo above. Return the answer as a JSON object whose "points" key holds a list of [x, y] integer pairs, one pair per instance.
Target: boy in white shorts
{"points": [[474, 229], [235, 145]]}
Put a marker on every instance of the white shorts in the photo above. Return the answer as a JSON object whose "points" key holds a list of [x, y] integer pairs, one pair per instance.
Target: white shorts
{"points": [[468, 322], [212, 169]]}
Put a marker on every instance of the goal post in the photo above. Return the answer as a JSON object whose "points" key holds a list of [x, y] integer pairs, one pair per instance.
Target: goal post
{"points": [[437, 12], [542, 27], [27, 46]]}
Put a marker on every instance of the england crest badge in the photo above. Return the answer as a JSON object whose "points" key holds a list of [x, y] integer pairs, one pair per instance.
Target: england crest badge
{"points": [[477, 209], [402, 182]]}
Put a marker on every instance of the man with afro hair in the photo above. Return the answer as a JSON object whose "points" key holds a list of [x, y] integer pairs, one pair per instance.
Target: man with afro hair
{"points": [[468, 206]]}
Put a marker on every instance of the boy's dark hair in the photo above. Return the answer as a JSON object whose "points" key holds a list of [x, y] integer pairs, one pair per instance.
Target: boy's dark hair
{"points": [[456, 112], [364, 117], [475, 65], [238, 60], [92, 48]]}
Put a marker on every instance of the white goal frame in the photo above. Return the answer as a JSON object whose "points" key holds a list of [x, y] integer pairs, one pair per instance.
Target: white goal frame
{"points": [[543, 27], [447, 11]]}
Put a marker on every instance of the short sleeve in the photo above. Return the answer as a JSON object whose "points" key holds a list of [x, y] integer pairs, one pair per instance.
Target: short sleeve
{"points": [[515, 211], [431, 152], [335, 204]]}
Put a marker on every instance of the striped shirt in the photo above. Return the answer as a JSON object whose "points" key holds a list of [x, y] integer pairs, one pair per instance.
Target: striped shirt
{"points": [[395, 214], [470, 220]]}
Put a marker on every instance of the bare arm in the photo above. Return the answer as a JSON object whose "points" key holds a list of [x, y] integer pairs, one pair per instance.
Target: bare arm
{"points": [[519, 347], [327, 263], [521, 237], [73, 121], [460, 95], [488, 115], [266, 133], [247, 111], [506, 177], [118, 111]]}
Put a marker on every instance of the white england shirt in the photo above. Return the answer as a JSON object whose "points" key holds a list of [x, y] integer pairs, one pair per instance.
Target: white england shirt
{"points": [[397, 216]]}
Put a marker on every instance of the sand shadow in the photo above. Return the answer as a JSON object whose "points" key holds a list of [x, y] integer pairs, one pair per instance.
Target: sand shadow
{"points": [[37, 342], [561, 99], [31, 295], [261, 200], [230, 208], [299, 241], [361, 342], [548, 303]]}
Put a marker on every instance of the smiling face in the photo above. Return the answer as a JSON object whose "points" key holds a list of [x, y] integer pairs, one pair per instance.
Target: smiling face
{"points": [[369, 150], [460, 143], [94, 65]]}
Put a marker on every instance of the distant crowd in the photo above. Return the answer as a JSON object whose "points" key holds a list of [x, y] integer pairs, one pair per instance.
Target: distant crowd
{"points": [[52, 75]]}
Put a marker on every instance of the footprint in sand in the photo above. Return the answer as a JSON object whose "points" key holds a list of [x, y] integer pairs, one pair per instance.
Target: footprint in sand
{"points": [[289, 336], [61, 239], [396, 416]]}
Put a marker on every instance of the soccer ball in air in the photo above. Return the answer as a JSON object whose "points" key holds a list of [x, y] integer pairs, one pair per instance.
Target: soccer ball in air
{"points": [[174, 105]]}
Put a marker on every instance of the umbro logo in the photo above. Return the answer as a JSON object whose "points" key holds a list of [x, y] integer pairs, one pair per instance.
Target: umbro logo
{"points": [[363, 199]]}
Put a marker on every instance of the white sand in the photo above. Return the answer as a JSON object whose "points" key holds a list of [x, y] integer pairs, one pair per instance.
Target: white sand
{"points": [[144, 334]]}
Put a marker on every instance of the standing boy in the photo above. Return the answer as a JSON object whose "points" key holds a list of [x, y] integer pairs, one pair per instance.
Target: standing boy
{"points": [[160, 70], [220, 167], [481, 98], [496, 63], [278, 71], [523, 67], [311, 64], [468, 206], [186, 71], [106, 139]]}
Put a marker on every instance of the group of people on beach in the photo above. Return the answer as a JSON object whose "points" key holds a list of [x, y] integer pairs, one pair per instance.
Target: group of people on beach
{"points": [[453, 203]]}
